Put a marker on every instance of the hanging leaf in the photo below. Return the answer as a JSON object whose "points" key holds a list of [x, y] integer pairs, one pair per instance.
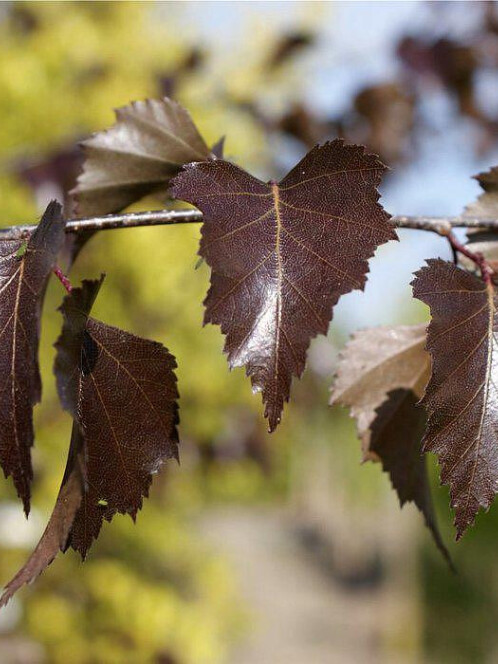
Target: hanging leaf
{"points": [[24, 270], [283, 253], [382, 373], [121, 390], [375, 362], [57, 531], [124, 398], [461, 397], [396, 440]]}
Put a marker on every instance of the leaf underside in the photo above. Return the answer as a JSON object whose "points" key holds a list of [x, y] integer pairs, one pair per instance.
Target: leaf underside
{"points": [[486, 206], [24, 271], [375, 362], [282, 254], [462, 398], [382, 372], [138, 155]]}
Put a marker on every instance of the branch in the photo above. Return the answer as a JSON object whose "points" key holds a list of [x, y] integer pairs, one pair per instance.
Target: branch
{"points": [[440, 225], [112, 221]]}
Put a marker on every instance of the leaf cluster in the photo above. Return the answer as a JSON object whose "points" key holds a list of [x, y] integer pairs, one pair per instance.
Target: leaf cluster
{"points": [[281, 256]]}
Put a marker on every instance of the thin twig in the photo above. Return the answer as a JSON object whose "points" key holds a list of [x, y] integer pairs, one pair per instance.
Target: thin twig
{"points": [[62, 278], [475, 256], [440, 225], [112, 221]]}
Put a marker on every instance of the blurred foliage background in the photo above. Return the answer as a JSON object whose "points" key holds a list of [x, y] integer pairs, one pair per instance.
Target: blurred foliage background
{"points": [[166, 590]]}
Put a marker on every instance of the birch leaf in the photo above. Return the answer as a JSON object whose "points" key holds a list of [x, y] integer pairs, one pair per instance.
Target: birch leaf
{"points": [[24, 271], [282, 254]]}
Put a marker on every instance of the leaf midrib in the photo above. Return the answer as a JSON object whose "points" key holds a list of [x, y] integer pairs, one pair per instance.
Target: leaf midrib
{"points": [[278, 254]]}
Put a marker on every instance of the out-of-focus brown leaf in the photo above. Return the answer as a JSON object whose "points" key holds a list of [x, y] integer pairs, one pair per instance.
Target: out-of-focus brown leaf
{"points": [[22, 20], [124, 398], [387, 116], [374, 363], [456, 64], [288, 46], [453, 64], [283, 253], [302, 124], [24, 271], [121, 391], [461, 398], [57, 170], [191, 62], [396, 440]]}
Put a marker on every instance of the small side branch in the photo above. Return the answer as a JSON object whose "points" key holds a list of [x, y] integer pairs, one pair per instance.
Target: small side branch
{"points": [[439, 225], [62, 278], [475, 256]]}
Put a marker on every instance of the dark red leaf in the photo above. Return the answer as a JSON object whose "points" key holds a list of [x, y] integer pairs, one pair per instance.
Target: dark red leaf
{"points": [[396, 439], [122, 390], [283, 253], [24, 270], [462, 398]]}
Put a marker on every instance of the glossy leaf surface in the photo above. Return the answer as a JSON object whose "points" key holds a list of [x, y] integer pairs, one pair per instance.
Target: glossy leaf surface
{"points": [[137, 156], [283, 253]]}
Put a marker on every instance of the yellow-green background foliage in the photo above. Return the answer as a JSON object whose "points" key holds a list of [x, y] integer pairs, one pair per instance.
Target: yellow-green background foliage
{"points": [[153, 589]]}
